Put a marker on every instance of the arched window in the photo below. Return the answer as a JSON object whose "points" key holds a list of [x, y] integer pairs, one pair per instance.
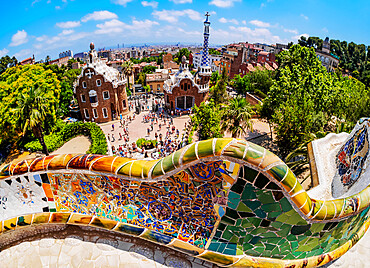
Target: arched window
{"points": [[95, 113], [84, 85], [98, 82], [105, 112], [86, 112]]}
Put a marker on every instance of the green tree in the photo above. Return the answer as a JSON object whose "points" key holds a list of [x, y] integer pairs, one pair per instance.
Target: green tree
{"points": [[305, 96], [182, 52], [7, 62], [149, 69], [213, 51], [214, 78], [127, 69], [28, 82], [31, 112], [236, 117], [206, 120], [218, 92], [141, 78]]}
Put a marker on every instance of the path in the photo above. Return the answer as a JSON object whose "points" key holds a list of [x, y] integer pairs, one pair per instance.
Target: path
{"points": [[79, 144]]}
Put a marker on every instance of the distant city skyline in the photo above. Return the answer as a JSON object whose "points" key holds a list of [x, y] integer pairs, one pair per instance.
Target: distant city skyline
{"points": [[48, 27]]}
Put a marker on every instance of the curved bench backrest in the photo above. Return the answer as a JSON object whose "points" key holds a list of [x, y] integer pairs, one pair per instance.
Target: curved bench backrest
{"points": [[223, 200]]}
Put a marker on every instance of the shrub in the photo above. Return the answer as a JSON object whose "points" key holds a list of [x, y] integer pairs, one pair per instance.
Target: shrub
{"points": [[147, 144], [69, 131]]}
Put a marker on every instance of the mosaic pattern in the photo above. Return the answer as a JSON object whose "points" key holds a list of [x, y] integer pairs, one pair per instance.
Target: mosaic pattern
{"points": [[223, 200], [352, 156]]}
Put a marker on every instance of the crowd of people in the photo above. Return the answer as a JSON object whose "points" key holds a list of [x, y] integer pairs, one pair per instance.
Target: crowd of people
{"points": [[155, 122]]}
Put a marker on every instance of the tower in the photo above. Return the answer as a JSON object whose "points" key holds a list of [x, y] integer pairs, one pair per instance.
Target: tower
{"points": [[205, 68]]}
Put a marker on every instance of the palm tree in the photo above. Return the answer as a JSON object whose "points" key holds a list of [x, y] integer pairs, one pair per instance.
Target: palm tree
{"points": [[127, 69], [31, 113], [236, 117]]}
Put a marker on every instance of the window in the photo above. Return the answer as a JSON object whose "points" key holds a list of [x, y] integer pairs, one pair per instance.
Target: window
{"points": [[95, 113], [86, 112], [98, 82], [105, 95], [93, 99], [84, 85], [83, 98], [105, 112]]}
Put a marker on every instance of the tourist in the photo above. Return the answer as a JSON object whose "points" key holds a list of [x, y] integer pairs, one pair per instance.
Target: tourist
{"points": [[120, 136], [113, 139], [112, 127], [108, 137]]}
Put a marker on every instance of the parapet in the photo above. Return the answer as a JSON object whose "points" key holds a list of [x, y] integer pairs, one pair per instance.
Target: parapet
{"points": [[227, 201]]}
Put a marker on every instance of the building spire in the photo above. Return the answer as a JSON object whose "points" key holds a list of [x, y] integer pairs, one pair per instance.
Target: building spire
{"points": [[205, 68]]}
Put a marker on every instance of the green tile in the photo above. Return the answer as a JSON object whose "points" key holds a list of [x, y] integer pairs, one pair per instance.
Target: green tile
{"points": [[252, 204], [265, 197], [271, 207], [242, 207]]}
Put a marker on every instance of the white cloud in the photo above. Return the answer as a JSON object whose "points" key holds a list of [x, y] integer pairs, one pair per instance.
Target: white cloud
{"points": [[262, 5], [68, 24], [325, 30], [182, 1], [244, 22], [116, 26], [123, 2], [3, 52], [223, 20], [19, 38], [304, 16], [57, 7], [67, 32], [173, 15], [295, 38], [223, 3], [259, 23], [99, 15], [293, 31], [20, 55], [41, 38], [152, 4], [242, 34]]}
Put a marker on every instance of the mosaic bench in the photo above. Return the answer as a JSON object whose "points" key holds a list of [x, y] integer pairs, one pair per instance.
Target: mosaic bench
{"points": [[227, 201]]}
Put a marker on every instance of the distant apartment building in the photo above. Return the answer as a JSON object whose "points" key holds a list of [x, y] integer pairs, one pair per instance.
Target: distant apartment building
{"points": [[67, 53], [265, 56], [197, 60], [328, 60], [156, 80], [30, 61], [168, 62]]}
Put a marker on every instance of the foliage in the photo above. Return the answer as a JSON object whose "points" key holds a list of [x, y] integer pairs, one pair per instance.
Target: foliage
{"points": [[178, 56], [354, 58], [147, 144], [69, 131], [236, 117], [15, 83], [127, 69], [214, 78], [30, 113], [66, 77], [257, 82], [158, 59], [7, 62], [147, 89], [149, 69], [305, 96], [213, 51], [218, 92], [141, 78], [207, 120]]}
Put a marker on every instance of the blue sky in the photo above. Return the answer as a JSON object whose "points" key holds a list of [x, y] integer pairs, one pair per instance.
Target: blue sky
{"points": [[47, 27]]}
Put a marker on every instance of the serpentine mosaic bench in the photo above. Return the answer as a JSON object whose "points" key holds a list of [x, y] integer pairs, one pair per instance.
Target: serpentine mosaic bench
{"points": [[227, 201]]}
